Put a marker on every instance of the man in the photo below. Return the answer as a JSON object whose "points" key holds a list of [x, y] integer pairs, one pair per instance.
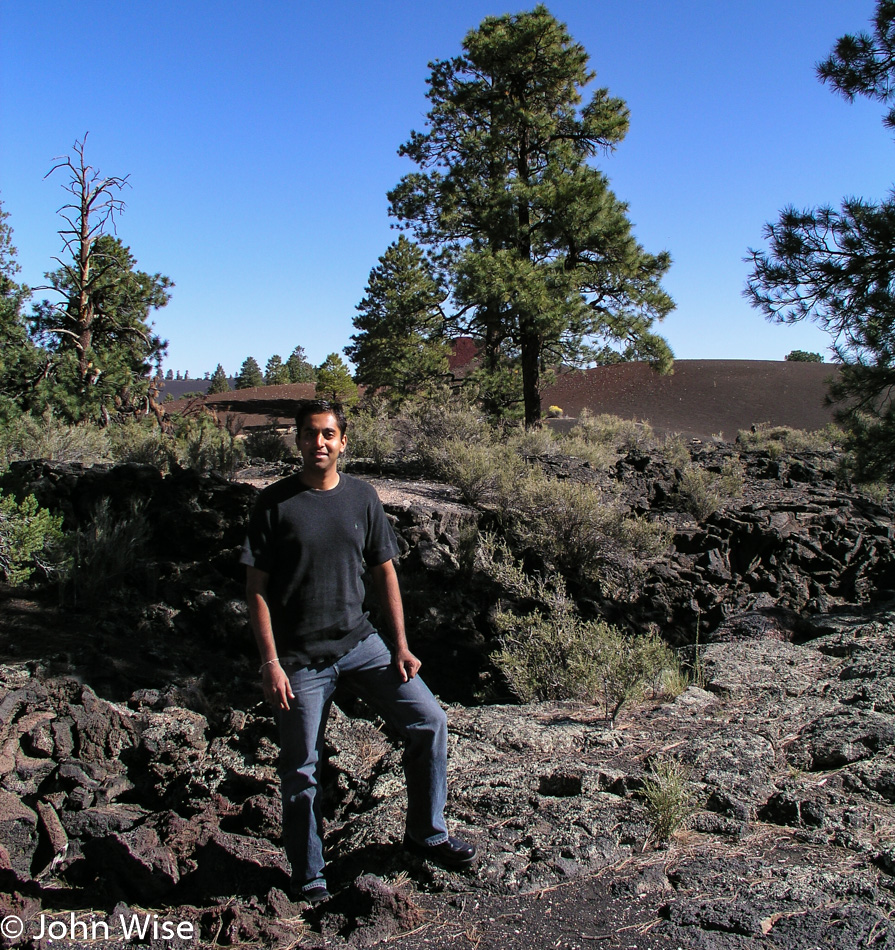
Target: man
{"points": [[309, 538]]}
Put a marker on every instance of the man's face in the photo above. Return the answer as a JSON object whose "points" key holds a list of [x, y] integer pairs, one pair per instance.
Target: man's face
{"points": [[320, 442]]}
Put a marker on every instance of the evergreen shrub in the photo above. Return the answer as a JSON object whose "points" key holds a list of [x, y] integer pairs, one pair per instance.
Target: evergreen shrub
{"points": [[484, 474], [371, 435], [28, 535], [206, 446], [779, 441], [599, 456], [427, 425], [535, 442], [622, 434], [141, 441], [576, 527], [267, 444], [581, 531], [674, 449]]}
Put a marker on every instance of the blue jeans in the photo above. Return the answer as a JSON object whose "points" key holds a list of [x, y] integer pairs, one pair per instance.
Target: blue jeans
{"points": [[409, 708]]}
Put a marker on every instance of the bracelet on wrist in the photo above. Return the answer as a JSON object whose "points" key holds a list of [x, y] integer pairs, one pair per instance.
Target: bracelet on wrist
{"points": [[268, 663]]}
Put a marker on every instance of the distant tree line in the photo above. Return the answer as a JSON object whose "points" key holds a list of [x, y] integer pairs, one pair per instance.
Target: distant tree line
{"points": [[332, 377], [802, 356], [296, 369]]}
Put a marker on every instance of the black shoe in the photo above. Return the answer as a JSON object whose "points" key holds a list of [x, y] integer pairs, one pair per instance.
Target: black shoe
{"points": [[451, 854], [311, 895]]}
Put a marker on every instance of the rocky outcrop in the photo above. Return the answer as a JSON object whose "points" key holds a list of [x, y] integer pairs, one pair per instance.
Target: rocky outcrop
{"points": [[138, 768], [789, 751], [795, 542]]}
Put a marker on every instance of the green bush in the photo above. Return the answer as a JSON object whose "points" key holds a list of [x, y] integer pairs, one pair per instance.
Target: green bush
{"points": [[629, 665], [702, 492], [867, 446], [581, 531], [206, 446], [535, 442], [674, 449], [600, 440], [141, 441], [46, 437], [876, 491], [267, 444], [214, 450], [622, 434], [574, 526], [674, 681], [27, 536], [484, 474], [426, 426], [599, 456], [779, 441], [550, 652], [107, 554], [668, 796], [371, 435]]}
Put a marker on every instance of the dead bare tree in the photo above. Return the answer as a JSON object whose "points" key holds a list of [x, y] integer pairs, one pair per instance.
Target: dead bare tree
{"points": [[97, 333], [95, 203]]}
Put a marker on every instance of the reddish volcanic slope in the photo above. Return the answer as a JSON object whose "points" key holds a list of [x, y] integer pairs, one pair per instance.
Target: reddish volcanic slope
{"points": [[254, 408], [701, 398]]}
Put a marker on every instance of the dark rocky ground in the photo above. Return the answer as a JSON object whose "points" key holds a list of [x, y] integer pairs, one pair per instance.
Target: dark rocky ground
{"points": [[137, 766]]}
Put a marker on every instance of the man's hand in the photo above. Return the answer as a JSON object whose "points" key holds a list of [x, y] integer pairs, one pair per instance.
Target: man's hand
{"points": [[277, 690], [408, 665]]}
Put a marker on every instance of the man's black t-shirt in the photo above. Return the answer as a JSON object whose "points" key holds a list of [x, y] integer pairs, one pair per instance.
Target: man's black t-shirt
{"points": [[314, 545]]}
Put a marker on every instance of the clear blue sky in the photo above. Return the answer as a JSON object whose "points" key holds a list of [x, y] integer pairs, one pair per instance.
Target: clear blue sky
{"points": [[260, 138]]}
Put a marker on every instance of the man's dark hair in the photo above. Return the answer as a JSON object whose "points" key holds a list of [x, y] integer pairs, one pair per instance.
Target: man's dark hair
{"points": [[310, 407]]}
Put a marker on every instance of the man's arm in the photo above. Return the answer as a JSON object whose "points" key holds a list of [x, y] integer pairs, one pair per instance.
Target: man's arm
{"points": [[275, 682], [386, 581]]}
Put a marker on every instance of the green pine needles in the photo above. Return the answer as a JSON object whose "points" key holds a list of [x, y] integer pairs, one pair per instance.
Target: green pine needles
{"points": [[27, 535], [536, 256]]}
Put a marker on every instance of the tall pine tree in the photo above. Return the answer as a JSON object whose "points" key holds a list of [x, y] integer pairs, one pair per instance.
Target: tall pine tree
{"points": [[98, 330], [400, 342], [275, 371], [249, 376], [299, 368], [538, 251], [334, 381], [102, 352], [21, 363], [219, 381]]}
